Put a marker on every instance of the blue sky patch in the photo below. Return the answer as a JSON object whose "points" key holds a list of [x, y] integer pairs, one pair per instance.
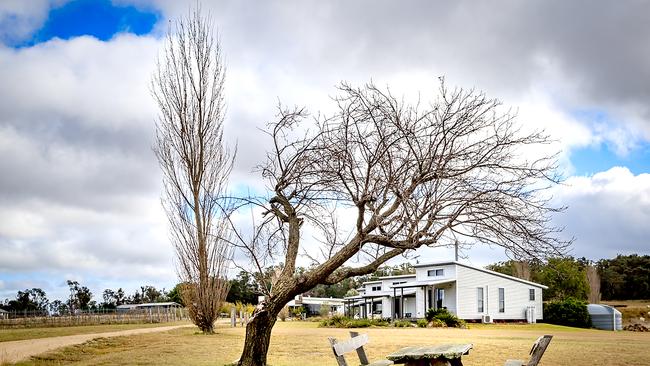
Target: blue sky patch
{"points": [[597, 158], [594, 159], [98, 18]]}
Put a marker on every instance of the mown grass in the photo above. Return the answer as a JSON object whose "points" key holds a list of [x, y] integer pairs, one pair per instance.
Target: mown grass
{"points": [[303, 343], [33, 333]]}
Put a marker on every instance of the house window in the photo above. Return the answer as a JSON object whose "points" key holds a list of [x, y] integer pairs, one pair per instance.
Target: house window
{"points": [[376, 288], [399, 283], [531, 294], [502, 300], [435, 272], [479, 299]]}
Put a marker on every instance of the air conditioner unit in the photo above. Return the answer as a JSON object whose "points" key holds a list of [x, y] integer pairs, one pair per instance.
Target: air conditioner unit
{"points": [[486, 319]]}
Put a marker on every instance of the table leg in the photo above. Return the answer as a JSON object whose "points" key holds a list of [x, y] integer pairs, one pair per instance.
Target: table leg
{"points": [[438, 362], [434, 362]]}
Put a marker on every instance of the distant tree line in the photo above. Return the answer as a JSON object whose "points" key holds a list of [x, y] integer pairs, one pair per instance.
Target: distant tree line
{"points": [[81, 299], [626, 277], [245, 287]]}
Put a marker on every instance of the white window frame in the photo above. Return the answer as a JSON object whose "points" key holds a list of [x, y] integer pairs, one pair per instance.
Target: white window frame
{"points": [[480, 300], [502, 300], [434, 272], [531, 294]]}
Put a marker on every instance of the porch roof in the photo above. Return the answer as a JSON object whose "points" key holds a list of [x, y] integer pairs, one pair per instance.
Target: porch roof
{"points": [[424, 283]]}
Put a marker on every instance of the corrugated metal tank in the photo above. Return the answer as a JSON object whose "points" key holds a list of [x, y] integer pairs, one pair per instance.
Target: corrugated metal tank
{"points": [[605, 317]]}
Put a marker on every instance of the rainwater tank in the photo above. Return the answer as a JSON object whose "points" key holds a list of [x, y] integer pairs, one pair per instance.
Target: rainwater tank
{"points": [[605, 317]]}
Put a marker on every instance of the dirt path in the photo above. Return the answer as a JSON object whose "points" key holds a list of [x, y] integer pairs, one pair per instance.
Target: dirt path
{"points": [[14, 351]]}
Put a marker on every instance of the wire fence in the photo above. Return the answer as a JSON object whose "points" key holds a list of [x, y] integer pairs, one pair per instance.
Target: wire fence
{"points": [[22, 319]]}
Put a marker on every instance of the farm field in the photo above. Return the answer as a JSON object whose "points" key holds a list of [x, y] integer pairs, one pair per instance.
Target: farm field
{"points": [[304, 343]]}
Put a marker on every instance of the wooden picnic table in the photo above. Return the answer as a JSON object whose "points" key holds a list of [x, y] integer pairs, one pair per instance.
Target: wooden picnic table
{"points": [[438, 355]]}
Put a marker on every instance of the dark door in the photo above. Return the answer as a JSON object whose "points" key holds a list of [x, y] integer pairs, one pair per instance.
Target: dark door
{"points": [[440, 296], [397, 312]]}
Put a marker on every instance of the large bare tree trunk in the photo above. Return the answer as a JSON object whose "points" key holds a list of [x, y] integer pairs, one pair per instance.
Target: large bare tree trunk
{"points": [[258, 337]]}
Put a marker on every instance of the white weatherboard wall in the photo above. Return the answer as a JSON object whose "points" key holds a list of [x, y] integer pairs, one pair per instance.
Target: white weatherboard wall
{"points": [[409, 306], [449, 301], [516, 295], [421, 273], [386, 307]]}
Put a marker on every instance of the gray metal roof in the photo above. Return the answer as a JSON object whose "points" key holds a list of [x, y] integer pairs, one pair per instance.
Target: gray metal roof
{"points": [[598, 309], [423, 283], [397, 276], [148, 305], [482, 270]]}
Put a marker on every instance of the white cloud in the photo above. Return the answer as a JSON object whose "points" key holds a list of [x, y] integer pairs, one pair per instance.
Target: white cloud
{"points": [[20, 18], [608, 213]]}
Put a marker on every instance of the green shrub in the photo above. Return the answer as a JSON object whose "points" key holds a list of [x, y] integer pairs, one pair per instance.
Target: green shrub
{"points": [[379, 322], [402, 324], [422, 323], [445, 316], [437, 323], [434, 313], [336, 321], [339, 321], [359, 323], [571, 312]]}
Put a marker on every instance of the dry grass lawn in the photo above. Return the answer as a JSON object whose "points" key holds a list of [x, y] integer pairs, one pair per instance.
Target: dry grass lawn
{"points": [[303, 343], [33, 333]]}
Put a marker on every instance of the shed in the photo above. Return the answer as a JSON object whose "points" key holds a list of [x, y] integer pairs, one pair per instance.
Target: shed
{"points": [[605, 317]]}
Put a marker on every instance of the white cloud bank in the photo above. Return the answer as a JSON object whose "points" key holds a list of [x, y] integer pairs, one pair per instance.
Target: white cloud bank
{"points": [[79, 185], [608, 213]]}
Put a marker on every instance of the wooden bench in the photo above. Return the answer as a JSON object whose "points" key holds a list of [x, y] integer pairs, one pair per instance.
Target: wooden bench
{"points": [[536, 353], [356, 343]]}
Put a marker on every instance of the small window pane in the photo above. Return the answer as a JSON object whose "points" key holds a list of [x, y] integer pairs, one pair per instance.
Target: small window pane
{"points": [[502, 300], [440, 272], [531, 294], [479, 296]]}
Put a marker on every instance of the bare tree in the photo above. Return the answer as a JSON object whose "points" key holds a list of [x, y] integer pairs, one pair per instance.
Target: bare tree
{"points": [[188, 86], [380, 178], [522, 270], [593, 279]]}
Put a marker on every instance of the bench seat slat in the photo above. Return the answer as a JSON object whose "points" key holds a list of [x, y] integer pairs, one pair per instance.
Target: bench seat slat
{"points": [[350, 345], [515, 363]]}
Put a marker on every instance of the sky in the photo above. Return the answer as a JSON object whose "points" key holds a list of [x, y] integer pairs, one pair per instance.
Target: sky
{"points": [[80, 186]]}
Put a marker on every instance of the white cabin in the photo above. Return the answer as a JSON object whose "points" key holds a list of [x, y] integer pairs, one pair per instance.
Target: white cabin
{"points": [[471, 293], [314, 305]]}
